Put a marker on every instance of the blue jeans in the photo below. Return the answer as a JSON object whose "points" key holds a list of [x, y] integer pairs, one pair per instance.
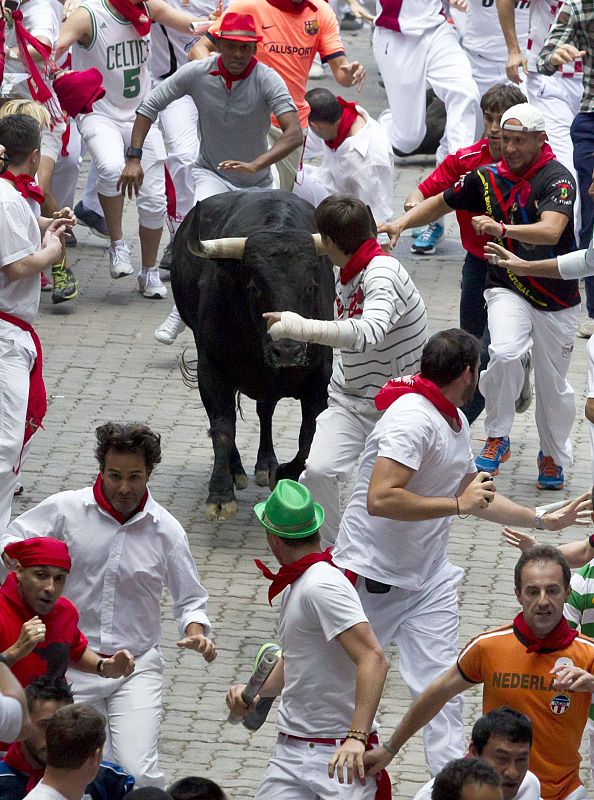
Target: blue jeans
{"points": [[582, 136], [473, 319]]}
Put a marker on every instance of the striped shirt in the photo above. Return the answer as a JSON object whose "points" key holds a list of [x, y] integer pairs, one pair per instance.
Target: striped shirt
{"points": [[574, 24], [385, 317], [579, 609]]}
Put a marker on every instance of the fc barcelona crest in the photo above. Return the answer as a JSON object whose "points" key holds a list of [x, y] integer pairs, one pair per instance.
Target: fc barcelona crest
{"points": [[311, 27]]}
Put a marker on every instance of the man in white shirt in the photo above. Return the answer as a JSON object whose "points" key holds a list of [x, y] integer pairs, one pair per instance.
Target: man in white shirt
{"points": [[15, 722], [74, 741], [125, 549], [502, 738], [416, 473], [23, 256], [332, 669], [357, 157]]}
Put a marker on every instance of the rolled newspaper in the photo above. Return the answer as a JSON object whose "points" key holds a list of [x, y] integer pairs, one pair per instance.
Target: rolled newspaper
{"points": [[257, 680]]}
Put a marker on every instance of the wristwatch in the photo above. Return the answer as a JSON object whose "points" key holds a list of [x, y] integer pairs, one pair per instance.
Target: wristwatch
{"points": [[4, 660], [538, 515], [134, 152]]}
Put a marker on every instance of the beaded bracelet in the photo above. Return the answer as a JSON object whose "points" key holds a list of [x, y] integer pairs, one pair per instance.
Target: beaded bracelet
{"points": [[354, 730], [357, 738], [459, 516]]}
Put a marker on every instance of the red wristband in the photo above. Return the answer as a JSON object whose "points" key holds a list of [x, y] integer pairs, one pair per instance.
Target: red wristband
{"points": [[503, 230]]}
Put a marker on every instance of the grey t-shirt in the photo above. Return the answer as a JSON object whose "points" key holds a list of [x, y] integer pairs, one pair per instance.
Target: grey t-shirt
{"points": [[233, 124]]}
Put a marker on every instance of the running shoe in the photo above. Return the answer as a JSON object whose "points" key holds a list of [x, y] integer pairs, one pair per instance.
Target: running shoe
{"points": [[550, 475], [494, 453], [46, 284], [119, 260], [150, 285], [92, 220], [426, 241], [65, 285], [170, 329]]}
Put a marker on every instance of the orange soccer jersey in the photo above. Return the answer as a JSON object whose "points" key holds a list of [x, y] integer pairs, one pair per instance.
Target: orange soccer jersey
{"points": [[292, 35], [522, 680]]}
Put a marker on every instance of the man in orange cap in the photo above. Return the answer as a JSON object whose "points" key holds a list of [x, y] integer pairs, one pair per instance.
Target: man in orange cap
{"points": [[39, 632]]}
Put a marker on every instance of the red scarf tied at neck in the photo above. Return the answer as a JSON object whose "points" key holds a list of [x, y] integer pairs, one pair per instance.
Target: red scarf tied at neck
{"points": [[104, 503], [558, 639], [289, 573], [360, 259], [15, 758], [228, 76], [136, 14], [522, 188], [415, 384], [348, 118], [25, 185]]}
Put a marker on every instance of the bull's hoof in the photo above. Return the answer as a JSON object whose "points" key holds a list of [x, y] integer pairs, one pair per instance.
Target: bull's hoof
{"points": [[240, 480], [219, 512], [262, 477]]}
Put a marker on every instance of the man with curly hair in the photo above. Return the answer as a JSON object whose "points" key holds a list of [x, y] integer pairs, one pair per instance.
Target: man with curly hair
{"points": [[125, 549]]}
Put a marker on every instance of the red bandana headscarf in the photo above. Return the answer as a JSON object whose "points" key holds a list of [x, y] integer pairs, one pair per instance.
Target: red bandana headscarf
{"points": [[415, 384], [558, 639], [228, 77], [25, 185], [40, 550], [349, 115], [360, 259], [522, 188], [104, 503]]}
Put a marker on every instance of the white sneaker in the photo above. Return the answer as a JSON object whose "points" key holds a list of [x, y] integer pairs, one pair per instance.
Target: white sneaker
{"points": [[169, 330], [149, 283], [119, 260]]}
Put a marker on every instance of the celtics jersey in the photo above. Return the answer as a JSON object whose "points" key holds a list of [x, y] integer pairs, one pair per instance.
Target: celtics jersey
{"points": [[121, 55]]}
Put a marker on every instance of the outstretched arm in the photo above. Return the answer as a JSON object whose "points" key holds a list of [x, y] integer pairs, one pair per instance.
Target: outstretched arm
{"points": [[77, 28], [421, 214]]}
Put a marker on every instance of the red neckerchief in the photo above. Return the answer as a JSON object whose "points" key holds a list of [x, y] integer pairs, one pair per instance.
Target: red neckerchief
{"points": [[16, 759], [347, 120], [40, 90], [37, 399], [25, 185], [415, 384], [360, 259], [289, 573], [228, 77], [522, 187], [558, 639], [136, 14], [292, 8], [104, 503]]}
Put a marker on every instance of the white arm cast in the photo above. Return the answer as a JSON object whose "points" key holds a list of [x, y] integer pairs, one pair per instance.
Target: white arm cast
{"points": [[577, 265], [320, 331]]}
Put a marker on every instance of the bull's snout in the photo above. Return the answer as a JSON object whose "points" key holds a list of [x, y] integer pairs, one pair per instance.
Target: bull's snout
{"points": [[288, 353]]}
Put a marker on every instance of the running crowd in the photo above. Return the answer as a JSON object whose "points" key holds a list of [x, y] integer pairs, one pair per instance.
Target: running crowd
{"points": [[175, 102]]}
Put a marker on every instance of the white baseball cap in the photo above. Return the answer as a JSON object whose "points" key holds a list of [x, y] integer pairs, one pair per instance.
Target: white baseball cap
{"points": [[530, 119]]}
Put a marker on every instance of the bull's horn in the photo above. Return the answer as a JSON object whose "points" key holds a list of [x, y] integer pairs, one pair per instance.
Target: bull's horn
{"points": [[230, 247], [317, 237]]}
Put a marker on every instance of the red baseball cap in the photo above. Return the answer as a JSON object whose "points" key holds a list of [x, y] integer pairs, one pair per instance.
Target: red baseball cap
{"points": [[238, 28]]}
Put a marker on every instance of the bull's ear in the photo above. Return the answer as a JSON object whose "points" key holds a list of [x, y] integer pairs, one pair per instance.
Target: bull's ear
{"points": [[373, 222]]}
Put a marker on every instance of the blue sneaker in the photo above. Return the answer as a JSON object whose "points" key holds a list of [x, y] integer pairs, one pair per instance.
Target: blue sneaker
{"points": [[494, 453], [426, 241], [550, 475], [90, 219]]}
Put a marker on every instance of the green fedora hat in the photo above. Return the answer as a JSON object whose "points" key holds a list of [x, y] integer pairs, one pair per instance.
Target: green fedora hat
{"points": [[290, 511]]}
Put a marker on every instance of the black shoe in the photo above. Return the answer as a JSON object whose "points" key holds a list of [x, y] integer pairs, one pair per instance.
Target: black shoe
{"points": [[167, 257], [65, 284], [71, 240], [350, 22], [90, 219]]}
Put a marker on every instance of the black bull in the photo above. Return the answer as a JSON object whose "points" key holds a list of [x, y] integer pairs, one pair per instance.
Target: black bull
{"points": [[223, 300]]}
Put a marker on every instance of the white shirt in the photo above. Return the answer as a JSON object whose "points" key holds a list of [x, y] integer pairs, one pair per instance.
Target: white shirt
{"points": [[411, 16], [169, 48], [44, 792], [529, 789], [413, 433], [11, 718], [482, 30], [40, 19], [119, 571], [363, 166], [316, 608]]}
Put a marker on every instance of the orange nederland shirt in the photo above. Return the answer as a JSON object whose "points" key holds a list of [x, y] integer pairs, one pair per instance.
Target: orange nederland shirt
{"points": [[513, 677], [291, 38]]}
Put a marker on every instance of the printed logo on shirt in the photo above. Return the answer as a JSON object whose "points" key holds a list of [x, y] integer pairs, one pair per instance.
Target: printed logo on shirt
{"points": [[283, 49], [560, 704], [564, 189], [311, 27]]}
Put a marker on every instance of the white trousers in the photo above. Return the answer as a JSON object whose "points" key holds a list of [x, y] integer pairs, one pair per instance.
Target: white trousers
{"points": [[16, 363], [336, 447], [132, 707], [66, 171], [578, 794], [299, 771], [515, 328], [424, 626], [407, 63], [179, 124], [107, 141]]}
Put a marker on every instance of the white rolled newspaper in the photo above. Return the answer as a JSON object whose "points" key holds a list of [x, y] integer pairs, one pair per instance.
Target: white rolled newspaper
{"points": [[257, 679]]}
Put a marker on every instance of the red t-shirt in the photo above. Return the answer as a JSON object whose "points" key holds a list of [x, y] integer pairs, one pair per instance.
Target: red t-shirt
{"points": [[63, 642], [449, 172]]}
